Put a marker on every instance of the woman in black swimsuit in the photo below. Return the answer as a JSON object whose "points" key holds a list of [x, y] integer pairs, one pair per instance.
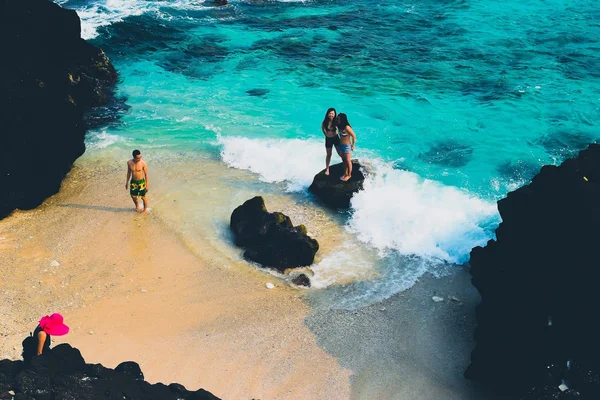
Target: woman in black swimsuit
{"points": [[328, 126]]}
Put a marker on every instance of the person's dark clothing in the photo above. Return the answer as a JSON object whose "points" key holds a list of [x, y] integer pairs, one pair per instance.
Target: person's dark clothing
{"points": [[30, 345], [332, 141]]}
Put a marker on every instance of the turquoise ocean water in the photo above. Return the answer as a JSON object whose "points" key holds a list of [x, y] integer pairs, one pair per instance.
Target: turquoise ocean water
{"points": [[454, 102]]}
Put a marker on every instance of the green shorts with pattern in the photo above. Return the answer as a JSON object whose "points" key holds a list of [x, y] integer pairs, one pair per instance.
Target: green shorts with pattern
{"points": [[137, 188]]}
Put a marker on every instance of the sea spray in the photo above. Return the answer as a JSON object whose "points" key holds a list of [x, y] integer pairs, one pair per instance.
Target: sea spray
{"points": [[97, 14], [293, 161], [100, 139], [398, 210]]}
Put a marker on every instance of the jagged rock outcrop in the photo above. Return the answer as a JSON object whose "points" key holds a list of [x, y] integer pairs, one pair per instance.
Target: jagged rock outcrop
{"points": [[61, 373], [538, 283], [334, 192], [271, 239], [49, 77]]}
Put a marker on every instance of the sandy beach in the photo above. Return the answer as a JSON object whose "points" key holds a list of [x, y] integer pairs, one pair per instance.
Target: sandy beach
{"points": [[450, 107], [133, 288]]}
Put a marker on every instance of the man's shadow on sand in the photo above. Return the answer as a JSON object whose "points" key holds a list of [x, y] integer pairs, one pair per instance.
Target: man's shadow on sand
{"points": [[100, 208]]}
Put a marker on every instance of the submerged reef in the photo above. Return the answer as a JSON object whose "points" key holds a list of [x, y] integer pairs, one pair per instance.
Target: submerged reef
{"points": [[537, 333], [61, 373], [49, 77]]}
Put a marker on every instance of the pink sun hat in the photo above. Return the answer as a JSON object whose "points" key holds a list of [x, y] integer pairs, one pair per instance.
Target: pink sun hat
{"points": [[53, 325]]}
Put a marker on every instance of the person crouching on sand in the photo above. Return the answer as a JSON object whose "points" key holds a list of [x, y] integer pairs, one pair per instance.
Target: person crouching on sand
{"points": [[346, 146], [328, 126], [39, 341], [137, 170]]}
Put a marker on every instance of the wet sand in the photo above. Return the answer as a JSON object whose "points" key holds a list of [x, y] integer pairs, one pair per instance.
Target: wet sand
{"points": [[409, 346], [134, 288], [130, 289]]}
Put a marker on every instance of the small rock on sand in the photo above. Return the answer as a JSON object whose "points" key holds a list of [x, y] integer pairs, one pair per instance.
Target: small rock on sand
{"points": [[269, 285], [301, 280], [437, 299], [563, 387], [54, 263]]}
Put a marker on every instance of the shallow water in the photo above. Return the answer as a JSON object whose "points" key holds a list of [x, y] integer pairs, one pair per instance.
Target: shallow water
{"points": [[455, 103]]}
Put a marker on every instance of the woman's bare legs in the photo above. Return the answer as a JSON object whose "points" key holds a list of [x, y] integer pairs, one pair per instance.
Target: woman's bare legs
{"points": [[347, 167], [327, 160], [349, 174]]}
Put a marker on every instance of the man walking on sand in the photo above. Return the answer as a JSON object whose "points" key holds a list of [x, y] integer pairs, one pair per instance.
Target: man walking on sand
{"points": [[137, 170]]}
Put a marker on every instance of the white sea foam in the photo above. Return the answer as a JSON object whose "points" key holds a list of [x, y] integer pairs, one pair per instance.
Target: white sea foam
{"points": [[101, 140], [291, 160], [397, 210], [107, 12], [344, 265], [213, 128], [186, 5]]}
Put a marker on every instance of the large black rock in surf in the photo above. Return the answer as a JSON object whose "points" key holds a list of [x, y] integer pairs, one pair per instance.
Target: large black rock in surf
{"points": [[49, 77], [271, 239], [335, 192], [61, 373], [539, 286]]}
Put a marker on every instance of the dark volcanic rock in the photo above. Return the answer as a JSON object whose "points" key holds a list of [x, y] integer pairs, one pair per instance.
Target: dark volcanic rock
{"points": [[130, 368], [301, 280], [332, 190], [538, 283], [61, 373], [271, 239], [49, 77]]}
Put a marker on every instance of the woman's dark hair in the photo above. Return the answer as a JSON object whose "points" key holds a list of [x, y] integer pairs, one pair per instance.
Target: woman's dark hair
{"points": [[29, 349], [342, 121], [325, 122]]}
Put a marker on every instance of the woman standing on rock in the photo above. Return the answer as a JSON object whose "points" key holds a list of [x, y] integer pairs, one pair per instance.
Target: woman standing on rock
{"points": [[328, 126], [346, 146], [40, 339]]}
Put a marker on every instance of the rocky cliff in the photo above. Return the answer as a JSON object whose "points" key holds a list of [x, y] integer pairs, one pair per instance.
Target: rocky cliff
{"points": [[538, 324], [49, 77]]}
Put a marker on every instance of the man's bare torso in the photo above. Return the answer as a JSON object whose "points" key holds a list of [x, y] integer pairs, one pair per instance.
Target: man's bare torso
{"points": [[137, 169]]}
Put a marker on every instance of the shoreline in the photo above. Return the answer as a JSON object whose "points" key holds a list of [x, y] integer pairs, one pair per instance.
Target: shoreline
{"points": [[132, 288]]}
